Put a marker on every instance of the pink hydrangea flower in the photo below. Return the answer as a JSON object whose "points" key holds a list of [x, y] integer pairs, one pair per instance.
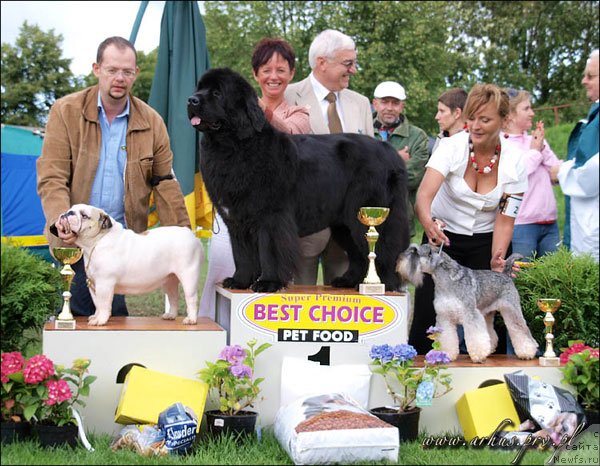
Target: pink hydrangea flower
{"points": [[574, 349], [58, 391], [11, 363], [233, 354], [38, 369], [240, 370]]}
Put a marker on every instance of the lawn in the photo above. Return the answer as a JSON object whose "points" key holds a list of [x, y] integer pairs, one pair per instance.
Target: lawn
{"points": [[266, 451]]}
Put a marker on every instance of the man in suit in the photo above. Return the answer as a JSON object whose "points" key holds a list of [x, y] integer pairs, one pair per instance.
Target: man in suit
{"points": [[333, 108]]}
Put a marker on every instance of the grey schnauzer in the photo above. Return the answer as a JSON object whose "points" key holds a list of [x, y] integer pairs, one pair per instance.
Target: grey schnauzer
{"points": [[469, 298]]}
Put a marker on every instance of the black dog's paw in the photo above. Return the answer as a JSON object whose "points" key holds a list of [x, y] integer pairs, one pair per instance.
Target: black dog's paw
{"points": [[233, 284], [344, 282], [266, 286]]}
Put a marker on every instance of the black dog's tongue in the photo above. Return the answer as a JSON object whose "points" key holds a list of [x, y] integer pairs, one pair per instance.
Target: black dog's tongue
{"points": [[195, 120]]}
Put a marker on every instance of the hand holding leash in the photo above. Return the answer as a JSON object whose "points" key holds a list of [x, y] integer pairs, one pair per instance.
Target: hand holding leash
{"points": [[435, 233]]}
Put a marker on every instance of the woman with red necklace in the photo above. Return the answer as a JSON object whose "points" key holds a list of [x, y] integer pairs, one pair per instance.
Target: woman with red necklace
{"points": [[469, 198]]}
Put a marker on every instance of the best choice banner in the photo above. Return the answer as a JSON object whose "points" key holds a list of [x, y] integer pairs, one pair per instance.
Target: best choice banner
{"points": [[324, 318]]}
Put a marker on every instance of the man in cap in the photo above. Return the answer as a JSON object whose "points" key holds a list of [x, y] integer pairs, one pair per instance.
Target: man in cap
{"points": [[410, 141]]}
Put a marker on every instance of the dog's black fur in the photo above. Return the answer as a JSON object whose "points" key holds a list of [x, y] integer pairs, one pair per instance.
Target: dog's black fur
{"points": [[272, 188]]}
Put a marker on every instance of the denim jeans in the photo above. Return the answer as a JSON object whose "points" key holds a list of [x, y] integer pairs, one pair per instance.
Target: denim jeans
{"points": [[535, 238]]}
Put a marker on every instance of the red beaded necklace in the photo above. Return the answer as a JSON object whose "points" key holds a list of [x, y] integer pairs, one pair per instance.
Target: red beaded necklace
{"points": [[489, 166]]}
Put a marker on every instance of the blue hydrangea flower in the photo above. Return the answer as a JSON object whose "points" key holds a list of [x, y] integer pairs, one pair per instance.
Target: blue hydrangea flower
{"points": [[381, 352], [404, 352], [437, 357]]}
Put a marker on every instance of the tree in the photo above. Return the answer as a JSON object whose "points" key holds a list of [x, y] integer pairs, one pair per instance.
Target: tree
{"points": [[427, 46], [34, 75]]}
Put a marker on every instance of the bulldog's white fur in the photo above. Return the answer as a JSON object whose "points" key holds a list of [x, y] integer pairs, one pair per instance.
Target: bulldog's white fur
{"points": [[117, 260]]}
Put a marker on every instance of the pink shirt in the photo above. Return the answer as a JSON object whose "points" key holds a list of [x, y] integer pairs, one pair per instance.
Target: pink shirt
{"points": [[291, 119], [539, 204]]}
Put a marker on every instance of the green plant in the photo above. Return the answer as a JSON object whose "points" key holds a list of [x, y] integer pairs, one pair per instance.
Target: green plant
{"points": [[573, 279], [232, 377], [403, 381], [29, 292], [580, 368], [39, 390]]}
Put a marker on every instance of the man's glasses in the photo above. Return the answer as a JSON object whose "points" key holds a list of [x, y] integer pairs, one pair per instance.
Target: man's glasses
{"points": [[349, 63], [115, 71]]}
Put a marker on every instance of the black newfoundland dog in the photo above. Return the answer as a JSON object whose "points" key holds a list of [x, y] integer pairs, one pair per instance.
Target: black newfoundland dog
{"points": [[272, 188]]}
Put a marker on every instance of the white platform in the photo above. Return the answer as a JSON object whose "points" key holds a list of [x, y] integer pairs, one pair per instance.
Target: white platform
{"points": [[235, 309], [166, 346]]}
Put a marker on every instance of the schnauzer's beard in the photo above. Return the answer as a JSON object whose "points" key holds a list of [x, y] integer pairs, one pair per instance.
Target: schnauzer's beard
{"points": [[409, 266]]}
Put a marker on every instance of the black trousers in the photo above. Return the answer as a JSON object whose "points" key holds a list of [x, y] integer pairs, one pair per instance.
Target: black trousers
{"points": [[81, 300], [474, 252]]}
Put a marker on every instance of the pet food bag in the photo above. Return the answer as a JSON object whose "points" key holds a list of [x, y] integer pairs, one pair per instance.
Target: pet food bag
{"points": [[550, 408], [179, 424], [301, 377], [333, 428]]}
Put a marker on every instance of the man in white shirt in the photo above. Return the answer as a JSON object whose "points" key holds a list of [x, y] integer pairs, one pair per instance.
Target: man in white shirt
{"points": [[333, 108]]}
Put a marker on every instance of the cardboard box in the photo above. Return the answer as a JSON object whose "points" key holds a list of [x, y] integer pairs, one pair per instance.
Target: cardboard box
{"points": [[147, 393], [482, 410]]}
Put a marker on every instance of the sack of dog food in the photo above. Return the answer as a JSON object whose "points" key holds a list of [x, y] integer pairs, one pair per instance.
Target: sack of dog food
{"points": [[174, 434], [545, 406], [333, 428], [179, 425]]}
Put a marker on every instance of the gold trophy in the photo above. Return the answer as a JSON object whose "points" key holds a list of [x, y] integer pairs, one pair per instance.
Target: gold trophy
{"points": [[549, 307], [372, 217], [66, 256]]}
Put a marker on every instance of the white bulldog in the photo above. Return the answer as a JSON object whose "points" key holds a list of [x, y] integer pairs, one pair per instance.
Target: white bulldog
{"points": [[118, 260]]}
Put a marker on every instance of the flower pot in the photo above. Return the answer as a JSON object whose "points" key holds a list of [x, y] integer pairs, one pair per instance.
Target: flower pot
{"points": [[56, 436], [407, 422], [15, 431], [240, 424]]}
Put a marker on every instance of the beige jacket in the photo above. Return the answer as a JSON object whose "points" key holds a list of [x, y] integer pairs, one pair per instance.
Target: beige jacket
{"points": [[71, 152], [357, 109]]}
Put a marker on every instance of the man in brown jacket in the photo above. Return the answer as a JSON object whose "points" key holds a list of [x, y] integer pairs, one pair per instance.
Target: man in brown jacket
{"points": [[107, 148]]}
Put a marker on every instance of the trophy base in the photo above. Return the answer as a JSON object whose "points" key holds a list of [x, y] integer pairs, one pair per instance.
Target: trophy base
{"points": [[371, 288], [61, 324], [549, 362]]}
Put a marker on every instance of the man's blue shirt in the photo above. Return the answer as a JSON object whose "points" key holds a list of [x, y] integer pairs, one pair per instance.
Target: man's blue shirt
{"points": [[108, 190]]}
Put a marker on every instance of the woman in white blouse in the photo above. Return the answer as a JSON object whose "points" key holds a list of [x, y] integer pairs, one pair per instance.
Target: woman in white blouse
{"points": [[469, 197]]}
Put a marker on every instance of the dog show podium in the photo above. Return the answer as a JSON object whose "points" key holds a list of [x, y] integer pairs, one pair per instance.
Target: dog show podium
{"points": [[162, 345], [323, 324]]}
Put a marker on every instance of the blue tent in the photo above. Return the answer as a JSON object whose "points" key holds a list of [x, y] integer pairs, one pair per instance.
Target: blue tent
{"points": [[22, 218]]}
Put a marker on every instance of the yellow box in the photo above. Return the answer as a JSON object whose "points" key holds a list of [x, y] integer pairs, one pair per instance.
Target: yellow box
{"points": [[482, 410], [147, 393]]}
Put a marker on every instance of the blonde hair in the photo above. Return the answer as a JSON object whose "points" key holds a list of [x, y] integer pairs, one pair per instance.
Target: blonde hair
{"points": [[483, 94], [515, 97]]}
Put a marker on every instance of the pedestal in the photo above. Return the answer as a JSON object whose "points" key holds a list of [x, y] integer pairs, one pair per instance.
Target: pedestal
{"points": [[162, 345], [332, 325]]}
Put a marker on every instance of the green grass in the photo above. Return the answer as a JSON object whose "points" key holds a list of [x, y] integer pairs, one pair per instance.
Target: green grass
{"points": [[226, 450]]}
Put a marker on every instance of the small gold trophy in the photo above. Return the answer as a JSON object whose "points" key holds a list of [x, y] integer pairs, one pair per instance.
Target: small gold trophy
{"points": [[66, 256], [549, 307], [372, 216]]}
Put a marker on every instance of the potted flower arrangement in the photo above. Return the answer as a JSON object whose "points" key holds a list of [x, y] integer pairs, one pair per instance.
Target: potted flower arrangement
{"points": [[231, 378], [410, 387], [46, 394], [14, 425], [580, 368]]}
